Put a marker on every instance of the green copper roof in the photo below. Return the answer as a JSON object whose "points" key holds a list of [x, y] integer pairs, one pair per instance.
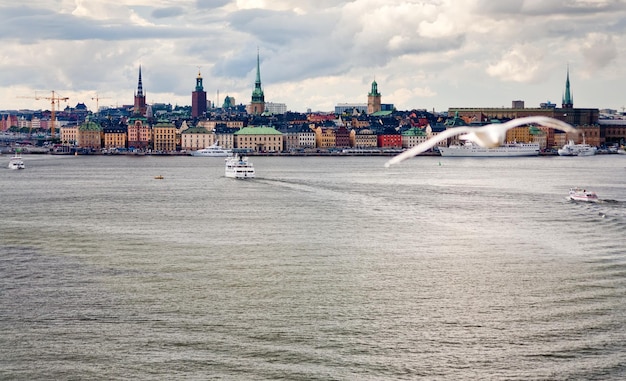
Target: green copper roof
{"points": [[414, 131], [261, 130], [374, 91], [196, 130], [382, 113], [163, 124], [89, 126]]}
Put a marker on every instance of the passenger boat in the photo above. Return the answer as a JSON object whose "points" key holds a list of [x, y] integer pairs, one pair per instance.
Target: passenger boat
{"points": [[213, 150], [16, 162], [506, 150], [579, 194], [572, 149], [238, 167]]}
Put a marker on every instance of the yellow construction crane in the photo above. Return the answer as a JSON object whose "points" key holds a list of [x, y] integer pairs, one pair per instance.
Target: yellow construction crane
{"points": [[97, 99], [54, 99]]}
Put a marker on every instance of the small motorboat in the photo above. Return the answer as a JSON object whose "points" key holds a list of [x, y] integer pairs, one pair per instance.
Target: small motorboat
{"points": [[159, 177], [16, 162], [579, 194]]}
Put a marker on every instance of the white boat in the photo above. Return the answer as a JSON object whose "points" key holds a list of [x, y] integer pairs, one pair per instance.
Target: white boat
{"points": [[239, 167], [16, 162], [572, 149], [213, 150], [506, 150], [579, 194]]}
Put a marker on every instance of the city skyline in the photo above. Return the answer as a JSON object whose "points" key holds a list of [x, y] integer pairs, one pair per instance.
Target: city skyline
{"points": [[314, 55]]}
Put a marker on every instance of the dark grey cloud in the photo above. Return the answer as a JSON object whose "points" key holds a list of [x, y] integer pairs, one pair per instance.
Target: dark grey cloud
{"points": [[30, 25]]}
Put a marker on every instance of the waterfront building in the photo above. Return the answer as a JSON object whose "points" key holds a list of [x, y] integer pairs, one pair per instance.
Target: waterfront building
{"points": [[165, 136], [257, 103], [195, 138], [69, 134], [414, 136], [373, 99], [139, 107], [115, 136], [297, 137], [342, 137], [139, 133], [89, 136], [363, 138], [389, 138], [325, 137], [259, 139], [224, 135], [614, 130], [198, 99]]}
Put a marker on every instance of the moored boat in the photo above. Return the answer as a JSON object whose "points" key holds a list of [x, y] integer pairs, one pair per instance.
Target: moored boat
{"points": [[239, 167], [572, 149], [579, 194], [213, 150], [16, 162], [505, 150]]}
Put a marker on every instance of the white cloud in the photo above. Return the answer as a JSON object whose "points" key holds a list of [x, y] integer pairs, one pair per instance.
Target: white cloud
{"points": [[520, 64], [315, 53]]}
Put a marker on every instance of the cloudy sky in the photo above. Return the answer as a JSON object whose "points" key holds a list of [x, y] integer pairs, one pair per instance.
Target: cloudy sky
{"points": [[428, 54]]}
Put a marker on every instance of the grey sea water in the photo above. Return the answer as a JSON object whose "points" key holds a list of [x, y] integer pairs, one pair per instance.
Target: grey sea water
{"points": [[320, 269]]}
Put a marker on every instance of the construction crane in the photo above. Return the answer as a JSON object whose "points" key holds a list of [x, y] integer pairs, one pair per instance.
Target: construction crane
{"points": [[97, 98], [54, 101]]}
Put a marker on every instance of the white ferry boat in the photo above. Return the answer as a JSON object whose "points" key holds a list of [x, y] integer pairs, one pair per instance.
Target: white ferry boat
{"points": [[213, 150], [579, 194], [506, 150], [571, 149], [239, 167], [16, 162]]}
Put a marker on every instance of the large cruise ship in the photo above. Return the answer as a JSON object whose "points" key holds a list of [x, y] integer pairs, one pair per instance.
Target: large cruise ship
{"points": [[505, 150]]}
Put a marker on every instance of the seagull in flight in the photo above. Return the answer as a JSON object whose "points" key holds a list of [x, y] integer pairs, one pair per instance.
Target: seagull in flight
{"points": [[489, 136]]}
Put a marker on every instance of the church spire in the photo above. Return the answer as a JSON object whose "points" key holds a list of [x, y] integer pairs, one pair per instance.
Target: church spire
{"points": [[568, 101], [139, 85], [257, 93]]}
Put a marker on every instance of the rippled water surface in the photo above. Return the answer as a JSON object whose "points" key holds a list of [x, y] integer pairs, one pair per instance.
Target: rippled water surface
{"points": [[319, 269]]}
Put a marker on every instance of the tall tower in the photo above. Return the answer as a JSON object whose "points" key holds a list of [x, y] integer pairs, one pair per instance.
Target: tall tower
{"points": [[373, 99], [140, 98], [257, 104], [568, 100], [198, 99]]}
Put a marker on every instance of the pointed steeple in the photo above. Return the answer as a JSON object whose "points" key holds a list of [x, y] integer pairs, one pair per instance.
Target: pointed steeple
{"points": [[139, 85], [257, 103], [257, 93], [568, 101]]}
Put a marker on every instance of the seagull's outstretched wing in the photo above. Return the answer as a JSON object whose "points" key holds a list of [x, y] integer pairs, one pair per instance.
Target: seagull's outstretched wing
{"points": [[542, 121], [484, 136], [430, 143]]}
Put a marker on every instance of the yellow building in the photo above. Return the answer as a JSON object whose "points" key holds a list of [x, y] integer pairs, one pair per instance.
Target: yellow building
{"points": [[259, 139], [69, 134], [164, 136], [115, 137], [325, 137]]}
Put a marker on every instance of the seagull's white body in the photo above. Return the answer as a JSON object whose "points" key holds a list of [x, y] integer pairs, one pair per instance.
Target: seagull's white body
{"points": [[489, 136]]}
